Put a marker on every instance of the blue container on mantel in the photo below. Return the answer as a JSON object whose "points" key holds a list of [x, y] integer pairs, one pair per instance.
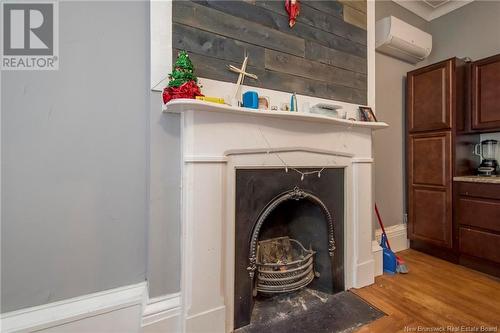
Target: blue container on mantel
{"points": [[251, 100]]}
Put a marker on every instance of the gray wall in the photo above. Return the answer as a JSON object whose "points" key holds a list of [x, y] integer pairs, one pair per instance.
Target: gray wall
{"points": [[389, 143], [74, 160], [471, 31], [164, 223]]}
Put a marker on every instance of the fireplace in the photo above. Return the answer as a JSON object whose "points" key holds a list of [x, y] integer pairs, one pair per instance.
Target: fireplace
{"points": [[231, 153], [276, 206]]}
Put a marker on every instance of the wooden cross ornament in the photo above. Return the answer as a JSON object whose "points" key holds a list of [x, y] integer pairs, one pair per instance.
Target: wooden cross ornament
{"points": [[242, 73]]}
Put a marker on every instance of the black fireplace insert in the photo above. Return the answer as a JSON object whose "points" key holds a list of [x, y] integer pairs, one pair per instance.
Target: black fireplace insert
{"points": [[272, 204]]}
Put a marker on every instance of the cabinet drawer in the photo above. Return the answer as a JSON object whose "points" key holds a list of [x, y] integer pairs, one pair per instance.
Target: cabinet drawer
{"points": [[479, 213], [480, 244], [479, 190]]}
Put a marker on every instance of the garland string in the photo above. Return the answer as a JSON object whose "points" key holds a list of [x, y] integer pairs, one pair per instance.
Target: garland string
{"points": [[288, 167]]}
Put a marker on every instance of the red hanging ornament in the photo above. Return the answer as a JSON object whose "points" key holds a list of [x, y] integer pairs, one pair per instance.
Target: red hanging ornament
{"points": [[293, 9]]}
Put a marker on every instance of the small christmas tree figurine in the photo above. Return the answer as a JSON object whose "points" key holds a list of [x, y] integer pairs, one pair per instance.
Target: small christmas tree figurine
{"points": [[183, 83], [183, 71]]}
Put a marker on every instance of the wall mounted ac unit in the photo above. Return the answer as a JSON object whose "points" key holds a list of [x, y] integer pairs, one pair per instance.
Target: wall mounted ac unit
{"points": [[401, 40]]}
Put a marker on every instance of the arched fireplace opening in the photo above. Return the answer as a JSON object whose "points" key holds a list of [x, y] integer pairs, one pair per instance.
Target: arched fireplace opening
{"points": [[292, 245], [289, 236]]}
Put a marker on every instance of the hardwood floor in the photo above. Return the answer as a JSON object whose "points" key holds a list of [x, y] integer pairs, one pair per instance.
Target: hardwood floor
{"points": [[436, 296]]}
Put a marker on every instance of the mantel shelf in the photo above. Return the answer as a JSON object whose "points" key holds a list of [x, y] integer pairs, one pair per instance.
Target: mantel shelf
{"points": [[181, 105]]}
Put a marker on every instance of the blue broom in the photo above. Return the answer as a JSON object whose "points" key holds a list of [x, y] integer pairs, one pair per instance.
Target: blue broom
{"points": [[392, 262]]}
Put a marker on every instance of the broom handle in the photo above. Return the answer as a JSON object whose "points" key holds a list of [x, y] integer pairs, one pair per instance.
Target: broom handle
{"points": [[382, 226]]}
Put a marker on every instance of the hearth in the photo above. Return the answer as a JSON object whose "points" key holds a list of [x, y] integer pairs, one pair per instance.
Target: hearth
{"points": [[289, 235], [308, 310]]}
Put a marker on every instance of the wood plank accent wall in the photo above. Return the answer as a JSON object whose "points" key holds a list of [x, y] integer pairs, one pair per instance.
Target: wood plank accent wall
{"points": [[355, 12], [323, 55]]}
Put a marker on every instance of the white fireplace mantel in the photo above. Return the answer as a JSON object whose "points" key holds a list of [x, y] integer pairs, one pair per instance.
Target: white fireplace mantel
{"points": [[179, 105], [216, 140]]}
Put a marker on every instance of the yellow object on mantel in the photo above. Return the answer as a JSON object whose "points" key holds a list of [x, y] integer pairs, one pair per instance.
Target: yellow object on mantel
{"points": [[211, 99]]}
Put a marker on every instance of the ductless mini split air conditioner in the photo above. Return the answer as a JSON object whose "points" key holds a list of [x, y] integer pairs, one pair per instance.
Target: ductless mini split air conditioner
{"points": [[401, 40]]}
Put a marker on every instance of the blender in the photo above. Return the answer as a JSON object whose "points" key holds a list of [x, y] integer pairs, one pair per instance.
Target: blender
{"points": [[487, 150]]}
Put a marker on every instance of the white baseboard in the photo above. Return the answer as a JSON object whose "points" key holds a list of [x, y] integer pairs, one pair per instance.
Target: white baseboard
{"points": [[124, 309], [378, 266], [124, 320], [162, 314], [212, 320], [95, 308], [364, 274], [397, 235]]}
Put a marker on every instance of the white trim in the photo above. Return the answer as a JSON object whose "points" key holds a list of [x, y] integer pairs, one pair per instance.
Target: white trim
{"points": [[207, 312], [429, 13], [397, 235], [231, 152], [377, 259], [370, 52], [165, 309], [182, 105], [362, 160], [57, 313], [161, 308], [160, 14], [365, 273], [205, 159], [212, 320], [287, 150]]}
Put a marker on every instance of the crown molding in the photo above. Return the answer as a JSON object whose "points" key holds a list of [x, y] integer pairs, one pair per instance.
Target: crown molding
{"points": [[429, 13]]}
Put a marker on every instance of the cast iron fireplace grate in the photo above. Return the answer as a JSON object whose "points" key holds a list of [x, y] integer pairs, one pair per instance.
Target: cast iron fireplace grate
{"points": [[283, 265]]}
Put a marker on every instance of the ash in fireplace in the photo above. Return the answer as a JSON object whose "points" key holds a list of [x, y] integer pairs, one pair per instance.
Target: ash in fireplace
{"points": [[309, 310]]}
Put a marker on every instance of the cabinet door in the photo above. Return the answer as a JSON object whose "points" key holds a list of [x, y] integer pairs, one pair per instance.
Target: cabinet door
{"points": [[429, 105], [429, 188], [486, 93]]}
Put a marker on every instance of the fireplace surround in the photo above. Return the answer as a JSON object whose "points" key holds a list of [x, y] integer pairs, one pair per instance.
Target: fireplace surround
{"points": [[217, 143]]}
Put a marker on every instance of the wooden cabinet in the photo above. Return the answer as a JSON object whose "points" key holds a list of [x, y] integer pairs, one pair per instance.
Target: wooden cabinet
{"points": [[485, 108], [430, 196], [478, 224], [434, 94], [448, 105], [429, 98]]}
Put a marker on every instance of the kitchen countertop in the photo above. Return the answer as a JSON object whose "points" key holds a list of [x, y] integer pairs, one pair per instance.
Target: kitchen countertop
{"points": [[478, 179]]}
